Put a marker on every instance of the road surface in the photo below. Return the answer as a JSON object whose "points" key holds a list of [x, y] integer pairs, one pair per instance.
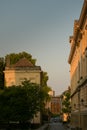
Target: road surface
{"points": [[56, 126]]}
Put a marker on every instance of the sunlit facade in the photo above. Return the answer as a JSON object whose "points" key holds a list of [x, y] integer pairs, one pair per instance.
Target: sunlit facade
{"points": [[48, 103], [78, 70], [23, 69]]}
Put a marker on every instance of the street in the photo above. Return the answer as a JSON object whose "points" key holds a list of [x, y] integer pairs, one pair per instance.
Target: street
{"points": [[56, 126]]}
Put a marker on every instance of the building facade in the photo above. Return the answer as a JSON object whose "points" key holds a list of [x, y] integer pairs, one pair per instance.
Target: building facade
{"points": [[23, 69], [78, 70], [17, 73], [55, 105], [48, 103]]}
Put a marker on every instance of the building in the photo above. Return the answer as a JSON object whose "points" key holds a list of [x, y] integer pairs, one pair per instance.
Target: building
{"points": [[23, 69], [48, 103], [78, 70], [17, 73], [55, 105]]}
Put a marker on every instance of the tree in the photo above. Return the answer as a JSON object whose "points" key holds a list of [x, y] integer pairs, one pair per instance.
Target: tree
{"points": [[20, 103], [45, 96], [14, 104], [2, 67], [16, 57], [66, 104], [45, 88], [33, 92]]}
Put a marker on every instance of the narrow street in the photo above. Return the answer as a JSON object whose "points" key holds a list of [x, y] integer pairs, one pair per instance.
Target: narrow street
{"points": [[56, 126]]}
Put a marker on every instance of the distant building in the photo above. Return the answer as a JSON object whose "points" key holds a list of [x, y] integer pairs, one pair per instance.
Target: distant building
{"points": [[52, 93], [17, 73], [48, 103], [78, 70], [55, 105]]}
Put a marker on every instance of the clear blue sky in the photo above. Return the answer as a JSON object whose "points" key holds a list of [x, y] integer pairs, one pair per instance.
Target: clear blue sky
{"points": [[41, 28]]}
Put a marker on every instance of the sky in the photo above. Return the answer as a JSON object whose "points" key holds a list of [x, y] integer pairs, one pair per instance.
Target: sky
{"points": [[42, 29]]}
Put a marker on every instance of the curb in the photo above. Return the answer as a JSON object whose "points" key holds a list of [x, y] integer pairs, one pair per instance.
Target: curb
{"points": [[43, 127]]}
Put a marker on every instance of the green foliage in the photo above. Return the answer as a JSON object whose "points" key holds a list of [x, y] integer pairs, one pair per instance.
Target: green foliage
{"points": [[33, 93], [66, 103], [19, 103], [44, 79], [13, 104], [16, 57], [45, 89], [2, 67]]}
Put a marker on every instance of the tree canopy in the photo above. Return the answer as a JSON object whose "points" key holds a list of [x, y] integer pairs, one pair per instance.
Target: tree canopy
{"points": [[14, 57], [20, 103], [2, 66], [66, 103]]}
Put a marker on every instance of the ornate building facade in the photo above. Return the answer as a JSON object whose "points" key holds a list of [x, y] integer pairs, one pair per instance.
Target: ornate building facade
{"points": [[78, 70]]}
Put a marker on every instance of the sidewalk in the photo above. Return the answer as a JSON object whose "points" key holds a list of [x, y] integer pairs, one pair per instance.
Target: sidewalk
{"points": [[67, 127], [42, 127]]}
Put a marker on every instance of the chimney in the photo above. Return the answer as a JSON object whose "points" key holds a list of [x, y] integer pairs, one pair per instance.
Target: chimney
{"points": [[8, 61]]}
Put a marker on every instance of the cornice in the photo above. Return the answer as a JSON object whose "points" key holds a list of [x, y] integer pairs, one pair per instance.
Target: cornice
{"points": [[83, 14], [71, 53], [78, 29]]}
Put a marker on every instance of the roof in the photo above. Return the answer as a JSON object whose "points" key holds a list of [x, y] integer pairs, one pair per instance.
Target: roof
{"points": [[23, 63]]}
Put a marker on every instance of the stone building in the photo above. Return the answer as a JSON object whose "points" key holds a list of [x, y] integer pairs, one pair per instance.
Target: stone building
{"points": [[78, 70], [48, 103], [23, 69], [55, 105], [17, 73]]}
